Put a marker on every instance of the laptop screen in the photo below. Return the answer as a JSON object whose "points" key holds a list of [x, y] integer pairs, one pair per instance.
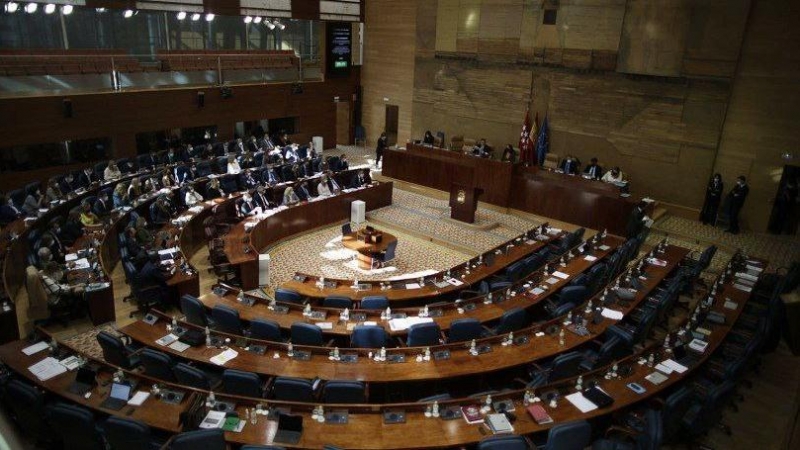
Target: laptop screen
{"points": [[120, 391], [290, 423], [85, 376]]}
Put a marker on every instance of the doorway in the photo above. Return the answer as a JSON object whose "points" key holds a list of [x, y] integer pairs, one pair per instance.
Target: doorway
{"points": [[785, 215], [392, 116]]}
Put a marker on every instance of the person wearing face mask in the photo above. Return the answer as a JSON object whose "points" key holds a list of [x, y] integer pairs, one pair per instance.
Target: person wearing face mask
{"points": [[593, 170], [213, 190], [233, 166], [32, 203], [569, 165], [322, 188], [708, 215], [289, 197], [112, 172], [614, 176], [261, 198], [249, 206], [736, 198], [192, 197], [68, 184], [333, 185]]}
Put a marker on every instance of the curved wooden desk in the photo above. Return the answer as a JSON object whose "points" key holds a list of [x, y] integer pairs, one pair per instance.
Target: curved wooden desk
{"points": [[355, 241]]}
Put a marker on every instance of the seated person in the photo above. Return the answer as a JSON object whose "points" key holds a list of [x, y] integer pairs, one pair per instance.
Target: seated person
{"points": [[45, 258], [322, 188], [289, 197], [33, 202], [192, 197], [332, 184], [150, 185], [593, 170], [143, 236], [182, 174], [360, 179], [166, 180], [88, 217], [171, 157], [246, 159], [120, 195], [8, 212], [302, 191], [428, 138], [248, 207], [112, 172], [136, 250], [480, 149], [72, 229], [271, 178], [213, 190], [614, 176], [261, 198], [344, 164], [53, 193], [56, 232], [569, 165], [134, 190], [509, 155], [48, 242], [153, 273], [290, 154], [160, 212], [68, 184], [246, 180], [87, 177], [102, 206], [233, 165], [299, 171], [59, 293]]}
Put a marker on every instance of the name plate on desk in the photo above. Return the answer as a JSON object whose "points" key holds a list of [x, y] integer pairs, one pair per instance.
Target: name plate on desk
{"points": [[318, 315], [451, 413], [394, 417], [337, 417], [396, 358], [301, 355], [441, 355], [171, 397], [257, 349], [435, 313], [349, 358], [359, 317], [280, 309]]}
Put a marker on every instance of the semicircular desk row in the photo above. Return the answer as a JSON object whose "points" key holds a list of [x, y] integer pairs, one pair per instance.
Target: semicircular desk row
{"points": [[368, 426], [530, 344], [532, 289]]}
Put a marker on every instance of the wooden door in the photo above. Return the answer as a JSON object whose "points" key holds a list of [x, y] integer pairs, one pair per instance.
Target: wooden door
{"points": [[343, 123], [392, 116]]}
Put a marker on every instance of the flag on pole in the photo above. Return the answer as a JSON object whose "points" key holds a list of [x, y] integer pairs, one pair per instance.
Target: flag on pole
{"points": [[526, 141], [543, 142]]}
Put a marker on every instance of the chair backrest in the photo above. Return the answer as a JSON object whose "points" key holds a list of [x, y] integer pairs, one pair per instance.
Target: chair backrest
{"points": [[335, 301], [565, 366], [191, 376], [265, 329], [374, 302], [293, 389], [27, 407], [462, 330], [336, 391], [238, 382], [75, 425], [653, 433], [306, 334], [424, 334], [194, 310], [674, 409], [612, 349], [226, 320], [157, 364], [514, 319], [569, 436], [346, 229], [390, 250], [368, 336], [288, 296], [213, 439], [573, 294], [504, 442], [114, 350], [123, 433], [711, 408], [514, 271]]}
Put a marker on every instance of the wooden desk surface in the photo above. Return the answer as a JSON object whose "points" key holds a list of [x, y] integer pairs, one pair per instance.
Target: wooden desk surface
{"points": [[354, 241], [466, 272], [450, 311]]}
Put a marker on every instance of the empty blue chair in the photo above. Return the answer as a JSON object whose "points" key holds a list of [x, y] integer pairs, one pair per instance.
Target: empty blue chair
{"points": [[388, 255], [157, 364], [244, 384], [673, 410], [306, 334], [115, 352], [514, 272], [335, 301], [123, 433], [346, 229], [424, 335], [191, 376], [569, 436], [195, 312], [293, 390], [611, 350], [368, 336], [504, 442], [462, 330], [707, 412], [288, 296], [266, 330], [564, 366], [213, 439], [226, 320], [514, 319], [75, 426], [374, 302], [344, 391], [572, 294], [27, 408]]}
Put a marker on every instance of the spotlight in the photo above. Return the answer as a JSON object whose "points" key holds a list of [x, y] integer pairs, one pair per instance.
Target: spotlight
{"points": [[195, 17], [248, 19], [49, 8], [181, 15], [66, 10], [100, 10], [11, 7], [209, 17], [280, 25], [128, 13], [257, 19], [269, 24], [31, 8]]}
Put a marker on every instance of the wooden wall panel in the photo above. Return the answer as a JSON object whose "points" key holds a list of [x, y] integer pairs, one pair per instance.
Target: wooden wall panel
{"points": [[654, 37]]}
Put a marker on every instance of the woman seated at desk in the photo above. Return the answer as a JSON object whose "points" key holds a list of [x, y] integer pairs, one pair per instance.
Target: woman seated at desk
{"points": [[289, 197], [192, 196], [322, 188], [88, 218], [120, 195], [614, 176]]}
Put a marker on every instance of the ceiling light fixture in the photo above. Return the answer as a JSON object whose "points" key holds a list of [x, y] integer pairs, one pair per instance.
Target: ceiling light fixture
{"points": [[181, 15], [269, 24], [31, 8], [11, 7], [257, 19], [209, 17], [128, 13], [66, 10], [49, 8], [195, 17], [248, 19]]}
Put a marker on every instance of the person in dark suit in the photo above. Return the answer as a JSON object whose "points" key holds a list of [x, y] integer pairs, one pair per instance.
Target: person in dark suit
{"points": [[152, 273], [181, 173], [72, 229], [8, 212], [383, 144], [569, 165], [708, 215], [593, 170], [508, 154], [246, 180], [270, 177], [736, 197], [248, 207], [302, 191], [261, 198], [252, 145], [86, 177], [344, 164], [360, 179], [102, 206], [160, 211], [332, 184], [68, 184], [213, 190], [636, 220], [480, 149], [428, 138]]}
